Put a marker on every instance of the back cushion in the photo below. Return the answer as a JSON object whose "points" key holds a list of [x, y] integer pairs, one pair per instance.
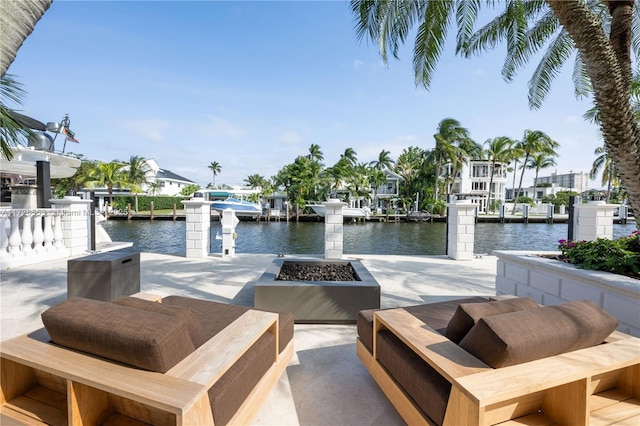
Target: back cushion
{"points": [[517, 337], [144, 339], [468, 314], [195, 328]]}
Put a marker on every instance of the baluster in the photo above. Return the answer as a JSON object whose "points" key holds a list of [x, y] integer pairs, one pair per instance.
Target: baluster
{"points": [[14, 235], [4, 237], [38, 233], [57, 231], [27, 234], [48, 231]]}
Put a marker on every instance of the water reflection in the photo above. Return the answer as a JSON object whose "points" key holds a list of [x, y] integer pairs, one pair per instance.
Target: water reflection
{"points": [[403, 238]]}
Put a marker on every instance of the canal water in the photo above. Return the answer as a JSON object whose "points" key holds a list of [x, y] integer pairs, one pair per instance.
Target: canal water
{"points": [[402, 238]]}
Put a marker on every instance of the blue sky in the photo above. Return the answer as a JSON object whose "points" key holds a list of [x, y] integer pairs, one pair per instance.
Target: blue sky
{"points": [[252, 85]]}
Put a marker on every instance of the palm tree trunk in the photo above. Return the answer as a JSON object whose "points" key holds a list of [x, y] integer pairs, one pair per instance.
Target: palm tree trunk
{"points": [[17, 20], [609, 179], [608, 64], [493, 166], [515, 200]]}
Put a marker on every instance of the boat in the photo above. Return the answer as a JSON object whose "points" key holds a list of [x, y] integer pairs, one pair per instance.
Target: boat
{"points": [[242, 208], [418, 216], [347, 212], [23, 163]]}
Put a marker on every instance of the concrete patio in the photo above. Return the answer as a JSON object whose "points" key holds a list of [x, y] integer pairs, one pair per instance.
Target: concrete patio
{"points": [[325, 383]]}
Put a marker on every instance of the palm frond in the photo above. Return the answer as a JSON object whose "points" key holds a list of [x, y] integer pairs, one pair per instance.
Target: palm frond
{"points": [[430, 40], [557, 53]]}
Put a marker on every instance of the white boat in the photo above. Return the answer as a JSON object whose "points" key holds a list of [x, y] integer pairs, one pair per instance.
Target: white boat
{"points": [[24, 160], [242, 208], [348, 212]]}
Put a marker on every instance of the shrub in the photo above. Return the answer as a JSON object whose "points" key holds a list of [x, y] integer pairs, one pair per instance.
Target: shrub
{"points": [[621, 256]]}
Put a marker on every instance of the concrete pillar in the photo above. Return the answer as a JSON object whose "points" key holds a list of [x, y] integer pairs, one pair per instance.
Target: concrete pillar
{"points": [[229, 221], [198, 227], [75, 223], [333, 229], [593, 220], [24, 196], [461, 229]]}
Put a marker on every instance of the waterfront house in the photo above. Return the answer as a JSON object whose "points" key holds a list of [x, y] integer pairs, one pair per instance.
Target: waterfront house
{"points": [[473, 179], [162, 181]]}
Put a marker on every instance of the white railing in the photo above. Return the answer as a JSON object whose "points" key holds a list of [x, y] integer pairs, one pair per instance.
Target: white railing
{"points": [[31, 235]]}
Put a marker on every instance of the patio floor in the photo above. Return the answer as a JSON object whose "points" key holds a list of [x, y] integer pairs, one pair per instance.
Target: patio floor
{"points": [[325, 383]]}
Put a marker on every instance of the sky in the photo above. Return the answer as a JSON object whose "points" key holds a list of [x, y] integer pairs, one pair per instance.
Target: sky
{"points": [[252, 85]]}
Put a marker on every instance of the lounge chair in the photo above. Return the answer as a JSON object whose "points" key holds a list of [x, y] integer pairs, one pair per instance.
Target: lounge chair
{"points": [[182, 361], [480, 362]]}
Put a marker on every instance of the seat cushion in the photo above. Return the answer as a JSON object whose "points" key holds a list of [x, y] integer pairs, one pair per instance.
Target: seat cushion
{"points": [[517, 337], [195, 328], [435, 315], [144, 339], [215, 316], [467, 314]]}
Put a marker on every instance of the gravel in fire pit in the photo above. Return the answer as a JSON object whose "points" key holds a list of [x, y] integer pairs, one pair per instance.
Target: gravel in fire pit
{"points": [[318, 272]]}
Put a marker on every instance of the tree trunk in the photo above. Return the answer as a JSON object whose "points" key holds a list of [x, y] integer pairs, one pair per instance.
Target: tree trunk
{"points": [[17, 20], [608, 64]]}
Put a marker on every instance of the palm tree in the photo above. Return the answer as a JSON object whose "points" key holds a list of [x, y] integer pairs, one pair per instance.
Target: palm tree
{"points": [[384, 161], [110, 175], [351, 156], [11, 130], [17, 20], [537, 162], [315, 153], [450, 133], [534, 142], [497, 150], [377, 178], [137, 172], [215, 169], [603, 163], [604, 33]]}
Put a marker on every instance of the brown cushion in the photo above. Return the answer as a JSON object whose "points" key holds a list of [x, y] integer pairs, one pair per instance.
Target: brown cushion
{"points": [[467, 314], [435, 315], [144, 339], [517, 337], [195, 328]]}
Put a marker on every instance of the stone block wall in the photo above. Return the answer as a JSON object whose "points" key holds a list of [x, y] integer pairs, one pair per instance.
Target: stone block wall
{"points": [[551, 282]]}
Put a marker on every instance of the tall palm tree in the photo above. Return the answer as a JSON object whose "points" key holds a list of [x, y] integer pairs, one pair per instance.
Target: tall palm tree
{"points": [[603, 33], [450, 133], [315, 153], [384, 161], [351, 156], [17, 20], [534, 142], [603, 163], [497, 150], [215, 169], [537, 162], [377, 178], [137, 172]]}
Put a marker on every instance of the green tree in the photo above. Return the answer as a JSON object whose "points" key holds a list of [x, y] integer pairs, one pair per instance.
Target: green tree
{"points": [[108, 175], [350, 155], [497, 150], [609, 173], [377, 178], [384, 161], [533, 142], [189, 189], [603, 33], [11, 130], [449, 135], [537, 162], [315, 153], [215, 169], [79, 179]]}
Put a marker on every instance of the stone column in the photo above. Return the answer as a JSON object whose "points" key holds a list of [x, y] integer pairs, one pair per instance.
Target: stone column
{"points": [[333, 229], [229, 221], [24, 196], [74, 223], [593, 220], [198, 227], [461, 229]]}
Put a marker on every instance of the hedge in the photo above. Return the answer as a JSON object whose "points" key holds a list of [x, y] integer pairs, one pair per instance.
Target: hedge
{"points": [[144, 202]]}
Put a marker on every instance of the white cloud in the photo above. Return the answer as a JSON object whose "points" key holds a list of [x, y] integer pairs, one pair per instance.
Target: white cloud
{"points": [[291, 138], [221, 128], [151, 129], [358, 64]]}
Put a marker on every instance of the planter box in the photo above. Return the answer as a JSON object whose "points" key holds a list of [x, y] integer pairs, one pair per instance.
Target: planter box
{"points": [[551, 282]]}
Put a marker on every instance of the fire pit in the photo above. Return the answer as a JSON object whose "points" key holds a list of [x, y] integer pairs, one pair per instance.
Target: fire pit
{"points": [[317, 291]]}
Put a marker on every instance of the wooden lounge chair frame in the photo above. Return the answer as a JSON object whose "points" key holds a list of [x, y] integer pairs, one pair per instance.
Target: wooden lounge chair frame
{"points": [[592, 386], [42, 383]]}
